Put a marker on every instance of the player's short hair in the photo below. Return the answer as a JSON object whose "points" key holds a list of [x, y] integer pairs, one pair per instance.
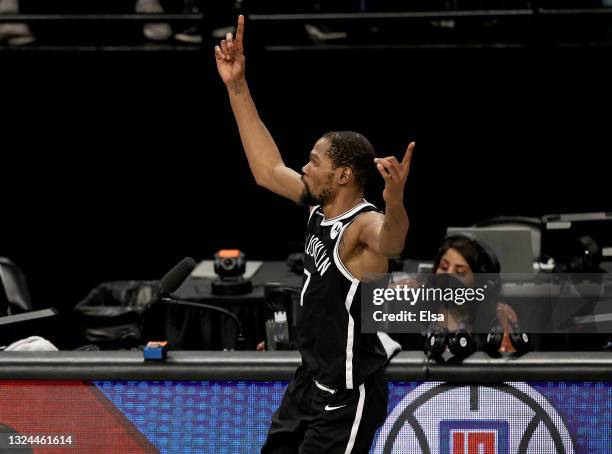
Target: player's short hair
{"points": [[354, 150]]}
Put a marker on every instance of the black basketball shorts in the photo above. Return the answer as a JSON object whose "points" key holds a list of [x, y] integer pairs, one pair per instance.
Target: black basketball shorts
{"points": [[316, 419]]}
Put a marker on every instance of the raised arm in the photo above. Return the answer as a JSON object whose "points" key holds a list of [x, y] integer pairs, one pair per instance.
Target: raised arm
{"points": [[262, 153], [386, 234]]}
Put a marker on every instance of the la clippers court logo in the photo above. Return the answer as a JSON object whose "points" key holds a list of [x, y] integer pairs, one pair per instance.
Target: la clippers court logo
{"points": [[493, 419], [335, 230]]}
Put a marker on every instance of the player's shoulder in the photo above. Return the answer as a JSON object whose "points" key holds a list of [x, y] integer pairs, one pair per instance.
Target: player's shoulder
{"points": [[367, 219]]}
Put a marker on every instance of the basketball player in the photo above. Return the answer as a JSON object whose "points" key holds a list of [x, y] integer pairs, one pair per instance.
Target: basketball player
{"points": [[338, 396]]}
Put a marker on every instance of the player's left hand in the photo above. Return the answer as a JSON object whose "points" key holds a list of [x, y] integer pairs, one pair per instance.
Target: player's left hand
{"points": [[395, 174]]}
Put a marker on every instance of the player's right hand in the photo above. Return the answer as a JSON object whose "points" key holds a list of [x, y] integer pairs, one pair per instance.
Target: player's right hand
{"points": [[229, 55]]}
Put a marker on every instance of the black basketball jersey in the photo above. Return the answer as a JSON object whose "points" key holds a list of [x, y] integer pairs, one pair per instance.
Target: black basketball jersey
{"points": [[329, 330]]}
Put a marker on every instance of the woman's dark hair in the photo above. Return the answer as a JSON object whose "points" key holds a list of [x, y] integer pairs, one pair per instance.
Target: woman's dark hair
{"points": [[483, 262], [478, 255]]}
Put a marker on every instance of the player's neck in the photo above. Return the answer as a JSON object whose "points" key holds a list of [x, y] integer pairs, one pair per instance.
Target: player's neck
{"points": [[341, 204]]}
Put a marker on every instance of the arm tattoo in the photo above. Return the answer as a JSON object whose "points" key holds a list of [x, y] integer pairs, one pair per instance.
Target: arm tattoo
{"points": [[236, 87]]}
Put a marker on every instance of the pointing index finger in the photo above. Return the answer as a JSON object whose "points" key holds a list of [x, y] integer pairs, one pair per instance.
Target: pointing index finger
{"points": [[240, 29], [408, 156]]}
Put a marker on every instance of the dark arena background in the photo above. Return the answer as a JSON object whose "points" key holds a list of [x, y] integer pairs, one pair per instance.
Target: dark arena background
{"points": [[121, 155]]}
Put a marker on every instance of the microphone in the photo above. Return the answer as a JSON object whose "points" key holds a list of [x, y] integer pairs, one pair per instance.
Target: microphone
{"points": [[150, 319], [168, 284], [173, 279]]}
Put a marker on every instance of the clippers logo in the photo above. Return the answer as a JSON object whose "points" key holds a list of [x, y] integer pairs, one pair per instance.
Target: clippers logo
{"points": [[494, 419], [335, 230], [467, 437]]}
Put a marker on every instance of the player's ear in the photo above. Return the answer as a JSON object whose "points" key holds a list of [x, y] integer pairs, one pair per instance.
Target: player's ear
{"points": [[346, 175]]}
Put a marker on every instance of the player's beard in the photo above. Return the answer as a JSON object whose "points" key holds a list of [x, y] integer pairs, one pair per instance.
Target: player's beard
{"points": [[309, 199]]}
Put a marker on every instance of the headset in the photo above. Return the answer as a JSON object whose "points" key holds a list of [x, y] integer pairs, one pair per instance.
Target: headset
{"points": [[519, 340], [460, 343]]}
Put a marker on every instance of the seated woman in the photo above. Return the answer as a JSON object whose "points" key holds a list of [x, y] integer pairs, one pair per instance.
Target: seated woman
{"points": [[465, 256], [468, 260]]}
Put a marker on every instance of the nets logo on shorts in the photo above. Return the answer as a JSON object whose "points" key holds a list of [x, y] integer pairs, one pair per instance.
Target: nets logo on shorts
{"points": [[490, 419]]}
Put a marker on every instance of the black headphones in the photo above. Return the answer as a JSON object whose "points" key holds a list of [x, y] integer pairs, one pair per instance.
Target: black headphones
{"points": [[460, 343], [493, 340]]}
